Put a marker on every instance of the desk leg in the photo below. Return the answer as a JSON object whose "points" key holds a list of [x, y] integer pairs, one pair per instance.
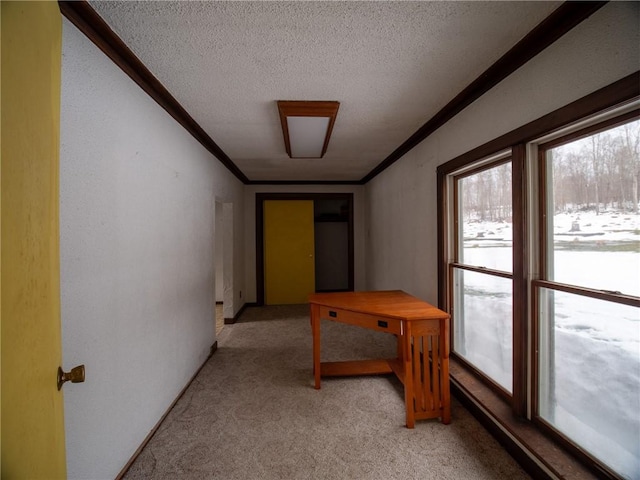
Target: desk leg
{"points": [[409, 394], [315, 330], [400, 340], [444, 371]]}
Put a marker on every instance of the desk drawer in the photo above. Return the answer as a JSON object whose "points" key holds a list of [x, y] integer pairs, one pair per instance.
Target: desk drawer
{"points": [[382, 324]]}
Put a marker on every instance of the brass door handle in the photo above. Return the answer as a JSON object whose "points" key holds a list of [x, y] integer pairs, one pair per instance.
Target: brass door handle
{"points": [[76, 375]]}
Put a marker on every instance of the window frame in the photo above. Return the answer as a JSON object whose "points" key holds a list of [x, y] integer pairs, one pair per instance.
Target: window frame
{"points": [[525, 436], [496, 160], [542, 281]]}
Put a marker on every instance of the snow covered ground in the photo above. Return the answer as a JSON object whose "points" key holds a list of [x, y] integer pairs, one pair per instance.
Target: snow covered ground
{"points": [[591, 355]]}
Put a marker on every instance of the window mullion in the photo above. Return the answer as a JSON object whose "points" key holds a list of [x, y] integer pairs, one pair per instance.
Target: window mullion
{"points": [[520, 278]]}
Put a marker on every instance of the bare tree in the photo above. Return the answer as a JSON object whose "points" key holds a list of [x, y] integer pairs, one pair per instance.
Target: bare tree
{"points": [[631, 146], [601, 171], [597, 156]]}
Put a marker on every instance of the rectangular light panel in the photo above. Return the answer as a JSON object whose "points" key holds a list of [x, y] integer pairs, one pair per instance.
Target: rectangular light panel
{"points": [[307, 126], [307, 135]]}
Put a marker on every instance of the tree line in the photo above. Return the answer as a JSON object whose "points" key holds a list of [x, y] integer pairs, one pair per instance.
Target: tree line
{"points": [[598, 172]]}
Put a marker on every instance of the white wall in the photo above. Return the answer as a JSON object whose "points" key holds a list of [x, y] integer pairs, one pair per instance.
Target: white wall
{"points": [[401, 214], [250, 228], [137, 220]]}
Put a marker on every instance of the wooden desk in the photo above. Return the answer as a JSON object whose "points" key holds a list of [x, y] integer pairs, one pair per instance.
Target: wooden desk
{"points": [[422, 330]]}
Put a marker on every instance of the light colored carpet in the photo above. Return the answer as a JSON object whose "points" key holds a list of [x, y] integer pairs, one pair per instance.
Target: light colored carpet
{"points": [[252, 413]]}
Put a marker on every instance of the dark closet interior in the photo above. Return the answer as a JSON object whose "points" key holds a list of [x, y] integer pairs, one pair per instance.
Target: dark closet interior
{"points": [[331, 227]]}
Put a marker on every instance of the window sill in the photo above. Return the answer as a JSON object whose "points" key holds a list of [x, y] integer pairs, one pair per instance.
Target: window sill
{"points": [[538, 455]]}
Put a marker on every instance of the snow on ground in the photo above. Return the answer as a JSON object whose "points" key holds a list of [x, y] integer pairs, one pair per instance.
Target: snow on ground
{"points": [[609, 225], [593, 358], [592, 227]]}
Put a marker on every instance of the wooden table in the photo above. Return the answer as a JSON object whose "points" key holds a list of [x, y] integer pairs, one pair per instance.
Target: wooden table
{"points": [[422, 330]]}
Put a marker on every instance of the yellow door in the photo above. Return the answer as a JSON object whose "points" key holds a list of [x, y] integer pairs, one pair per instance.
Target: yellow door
{"points": [[32, 407], [289, 264]]}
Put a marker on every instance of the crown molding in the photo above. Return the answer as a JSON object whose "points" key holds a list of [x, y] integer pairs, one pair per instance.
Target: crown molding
{"points": [[559, 22], [87, 20], [305, 182]]}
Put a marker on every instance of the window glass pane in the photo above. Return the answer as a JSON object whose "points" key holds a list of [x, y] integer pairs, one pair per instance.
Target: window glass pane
{"points": [[482, 323], [592, 211], [589, 382], [484, 218]]}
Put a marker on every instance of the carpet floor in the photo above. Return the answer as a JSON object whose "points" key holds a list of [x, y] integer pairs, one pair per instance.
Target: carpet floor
{"points": [[252, 413]]}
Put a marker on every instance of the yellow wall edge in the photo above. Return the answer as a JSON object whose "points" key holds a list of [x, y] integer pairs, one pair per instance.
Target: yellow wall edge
{"points": [[32, 421]]}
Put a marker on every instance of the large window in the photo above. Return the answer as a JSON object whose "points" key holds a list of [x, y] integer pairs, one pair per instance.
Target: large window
{"points": [[541, 269], [587, 295], [481, 273]]}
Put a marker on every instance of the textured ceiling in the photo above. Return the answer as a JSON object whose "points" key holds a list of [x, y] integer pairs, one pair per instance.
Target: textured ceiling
{"points": [[391, 65]]}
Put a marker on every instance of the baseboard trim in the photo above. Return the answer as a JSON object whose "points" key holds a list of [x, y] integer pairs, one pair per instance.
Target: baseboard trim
{"points": [[231, 321], [153, 431]]}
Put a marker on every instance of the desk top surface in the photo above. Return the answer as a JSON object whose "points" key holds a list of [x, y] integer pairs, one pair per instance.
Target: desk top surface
{"points": [[389, 303]]}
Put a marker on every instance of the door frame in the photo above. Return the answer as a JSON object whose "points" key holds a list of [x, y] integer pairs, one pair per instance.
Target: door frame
{"points": [[260, 199]]}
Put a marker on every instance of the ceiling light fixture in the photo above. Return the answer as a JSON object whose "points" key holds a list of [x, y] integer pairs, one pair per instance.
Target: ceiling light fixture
{"points": [[307, 126]]}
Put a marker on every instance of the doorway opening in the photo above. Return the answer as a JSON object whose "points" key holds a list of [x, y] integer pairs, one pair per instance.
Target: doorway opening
{"points": [[223, 245], [219, 269]]}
